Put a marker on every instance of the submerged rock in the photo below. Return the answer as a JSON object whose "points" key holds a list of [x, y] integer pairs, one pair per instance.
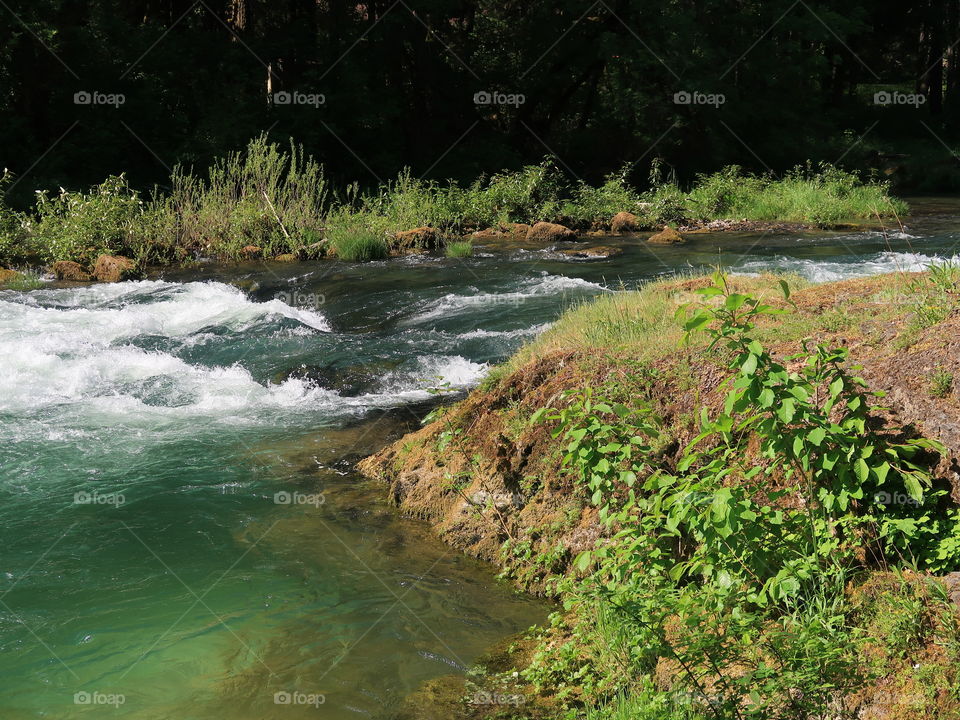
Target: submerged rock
{"points": [[348, 382], [286, 257], [623, 222], [667, 236], [545, 232], [69, 270], [598, 252], [114, 268]]}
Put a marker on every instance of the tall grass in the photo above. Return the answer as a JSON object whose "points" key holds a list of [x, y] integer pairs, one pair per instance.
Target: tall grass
{"points": [[459, 249], [278, 199]]}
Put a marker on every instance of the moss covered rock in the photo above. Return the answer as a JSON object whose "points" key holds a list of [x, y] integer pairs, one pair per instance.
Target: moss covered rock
{"points": [[114, 268], [70, 271]]}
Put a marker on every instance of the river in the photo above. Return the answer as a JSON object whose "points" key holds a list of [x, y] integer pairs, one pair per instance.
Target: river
{"points": [[183, 535]]}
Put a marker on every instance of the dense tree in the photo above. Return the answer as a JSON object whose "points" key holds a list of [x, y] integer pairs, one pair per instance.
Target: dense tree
{"points": [[398, 80]]}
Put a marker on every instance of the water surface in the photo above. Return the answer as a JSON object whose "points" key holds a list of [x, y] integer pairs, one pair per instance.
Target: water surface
{"points": [[181, 526]]}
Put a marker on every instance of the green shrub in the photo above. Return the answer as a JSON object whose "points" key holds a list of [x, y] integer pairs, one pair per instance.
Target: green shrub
{"points": [[80, 226], [730, 561], [941, 383], [594, 206], [13, 227]]}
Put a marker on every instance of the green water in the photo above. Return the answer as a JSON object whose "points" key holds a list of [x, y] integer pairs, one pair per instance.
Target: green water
{"points": [[146, 430]]}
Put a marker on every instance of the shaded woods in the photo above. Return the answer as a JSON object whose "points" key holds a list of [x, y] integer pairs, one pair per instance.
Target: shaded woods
{"points": [[91, 89]]}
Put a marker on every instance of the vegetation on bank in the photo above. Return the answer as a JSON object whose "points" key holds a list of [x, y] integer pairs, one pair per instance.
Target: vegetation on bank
{"points": [[270, 201], [735, 527]]}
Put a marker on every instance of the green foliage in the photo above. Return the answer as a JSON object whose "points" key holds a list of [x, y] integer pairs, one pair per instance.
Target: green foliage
{"points": [[823, 195], [264, 196], [459, 249], [594, 206], [729, 562], [279, 200], [80, 226], [941, 383], [355, 243], [13, 230]]}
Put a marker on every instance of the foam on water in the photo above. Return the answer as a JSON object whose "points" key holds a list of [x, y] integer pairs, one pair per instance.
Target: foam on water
{"points": [[831, 270], [547, 285], [73, 352]]}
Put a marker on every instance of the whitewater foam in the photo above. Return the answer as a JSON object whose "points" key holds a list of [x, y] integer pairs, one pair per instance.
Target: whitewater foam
{"points": [[74, 353], [67, 346], [819, 271], [453, 303]]}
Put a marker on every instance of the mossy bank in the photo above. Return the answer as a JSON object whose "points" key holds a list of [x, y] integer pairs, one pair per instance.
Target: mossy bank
{"points": [[866, 630]]}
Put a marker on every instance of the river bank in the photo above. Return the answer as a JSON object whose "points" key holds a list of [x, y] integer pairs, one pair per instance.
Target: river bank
{"points": [[493, 482], [273, 202]]}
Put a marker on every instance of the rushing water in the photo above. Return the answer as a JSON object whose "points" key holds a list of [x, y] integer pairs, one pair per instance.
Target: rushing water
{"points": [[181, 528]]}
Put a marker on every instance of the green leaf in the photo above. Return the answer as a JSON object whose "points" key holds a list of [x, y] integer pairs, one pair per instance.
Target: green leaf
{"points": [[787, 409], [749, 366], [816, 436], [861, 470], [785, 288], [913, 486]]}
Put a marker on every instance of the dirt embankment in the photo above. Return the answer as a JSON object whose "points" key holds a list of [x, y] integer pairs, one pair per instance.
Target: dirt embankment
{"points": [[483, 474]]}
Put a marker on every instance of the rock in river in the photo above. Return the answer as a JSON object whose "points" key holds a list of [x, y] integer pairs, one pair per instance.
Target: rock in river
{"points": [[69, 270], [598, 252], [667, 236], [544, 232], [114, 268]]}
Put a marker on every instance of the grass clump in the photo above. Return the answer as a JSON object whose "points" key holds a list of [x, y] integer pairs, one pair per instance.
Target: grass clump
{"points": [[459, 249], [356, 243], [941, 383], [823, 196]]}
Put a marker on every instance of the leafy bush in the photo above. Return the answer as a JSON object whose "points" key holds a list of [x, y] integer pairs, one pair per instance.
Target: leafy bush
{"points": [[727, 566], [80, 226], [13, 227]]}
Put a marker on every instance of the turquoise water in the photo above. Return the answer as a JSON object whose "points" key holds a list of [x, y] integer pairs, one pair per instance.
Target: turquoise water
{"points": [[182, 532]]}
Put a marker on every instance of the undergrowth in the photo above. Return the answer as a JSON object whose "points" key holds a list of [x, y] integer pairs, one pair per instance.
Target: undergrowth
{"points": [[279, 200], [773, 567]]}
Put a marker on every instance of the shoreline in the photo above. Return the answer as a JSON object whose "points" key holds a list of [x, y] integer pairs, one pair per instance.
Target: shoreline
{"points": [[514, 505], [583, 246]]}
